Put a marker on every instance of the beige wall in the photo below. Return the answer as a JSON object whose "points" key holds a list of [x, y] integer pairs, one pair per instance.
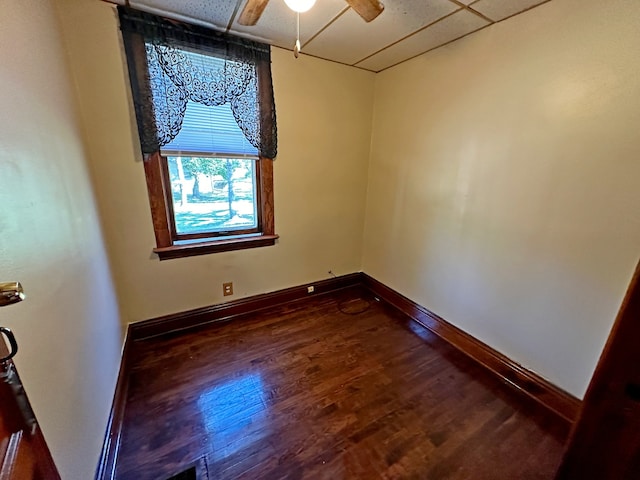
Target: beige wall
{"points": [[324, 123], [503, 183], [68, 328]]}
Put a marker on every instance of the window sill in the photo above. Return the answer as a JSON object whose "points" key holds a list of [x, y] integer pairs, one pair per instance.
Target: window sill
{"points": [[215, 246]]}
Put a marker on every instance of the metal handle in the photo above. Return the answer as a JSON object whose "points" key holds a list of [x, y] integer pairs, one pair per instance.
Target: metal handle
{"points": [[12, 343], [10, 292]]}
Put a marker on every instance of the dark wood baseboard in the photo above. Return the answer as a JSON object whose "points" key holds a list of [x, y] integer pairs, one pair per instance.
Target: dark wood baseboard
{"points": [[224, 311], [562, 403], [107, 462]]}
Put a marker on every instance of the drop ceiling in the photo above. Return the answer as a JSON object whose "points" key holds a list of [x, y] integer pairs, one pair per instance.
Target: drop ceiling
{"points": [[333, 31]]}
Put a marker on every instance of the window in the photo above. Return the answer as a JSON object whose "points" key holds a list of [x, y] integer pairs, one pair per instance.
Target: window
{"points": [[212, 196], [206, 120]]}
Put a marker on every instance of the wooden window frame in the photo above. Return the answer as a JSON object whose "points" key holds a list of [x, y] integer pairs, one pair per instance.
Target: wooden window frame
{"points": [[160, 201], [178, 237]]}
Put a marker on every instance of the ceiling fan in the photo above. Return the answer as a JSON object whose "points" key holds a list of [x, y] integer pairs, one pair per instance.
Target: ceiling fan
{"points": [[367, 9]]}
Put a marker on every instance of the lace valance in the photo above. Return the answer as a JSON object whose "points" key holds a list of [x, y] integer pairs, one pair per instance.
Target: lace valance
{"points": [[172, 63]]}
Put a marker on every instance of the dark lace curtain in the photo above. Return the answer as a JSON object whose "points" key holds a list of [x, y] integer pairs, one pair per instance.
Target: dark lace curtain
{"points": [[172, 63]]}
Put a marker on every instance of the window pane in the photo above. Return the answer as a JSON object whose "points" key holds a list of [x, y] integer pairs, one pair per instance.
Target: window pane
{"points": [[213, 194]]}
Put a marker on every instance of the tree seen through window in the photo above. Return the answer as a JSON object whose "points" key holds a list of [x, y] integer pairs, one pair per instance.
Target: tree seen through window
{"points": [[212, 194]]}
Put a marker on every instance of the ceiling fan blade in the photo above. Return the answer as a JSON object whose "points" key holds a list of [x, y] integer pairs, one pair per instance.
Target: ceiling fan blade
{"points": [[252, 11], [367, 9]]}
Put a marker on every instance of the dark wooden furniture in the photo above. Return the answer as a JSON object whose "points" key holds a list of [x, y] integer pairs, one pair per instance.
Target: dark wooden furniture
{"points": [[24, 454], [605, 442]]}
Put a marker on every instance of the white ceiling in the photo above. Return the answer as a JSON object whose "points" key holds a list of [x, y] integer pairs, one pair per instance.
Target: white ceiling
{"points": [[333, 31]]}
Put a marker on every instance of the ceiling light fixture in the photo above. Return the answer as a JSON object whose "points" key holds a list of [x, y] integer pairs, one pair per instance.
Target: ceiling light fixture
{"points": [[300, 6]]}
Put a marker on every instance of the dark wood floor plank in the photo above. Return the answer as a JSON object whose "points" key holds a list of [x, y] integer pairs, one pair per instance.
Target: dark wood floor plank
{"points": [[304, 390]]}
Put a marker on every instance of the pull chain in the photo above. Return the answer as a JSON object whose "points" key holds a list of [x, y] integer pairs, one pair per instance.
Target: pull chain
{"points": [[296, 49]]}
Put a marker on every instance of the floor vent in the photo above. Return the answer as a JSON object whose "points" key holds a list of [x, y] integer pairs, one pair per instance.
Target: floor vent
{"points": [[188, 474], [197, 472]]}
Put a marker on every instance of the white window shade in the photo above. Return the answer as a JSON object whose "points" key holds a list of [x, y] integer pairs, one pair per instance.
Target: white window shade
{"points": [[210, 130]]}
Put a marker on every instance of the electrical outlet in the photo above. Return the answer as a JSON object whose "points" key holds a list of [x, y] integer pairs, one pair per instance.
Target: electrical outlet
{"points": [[310, 289], [227, 289]]}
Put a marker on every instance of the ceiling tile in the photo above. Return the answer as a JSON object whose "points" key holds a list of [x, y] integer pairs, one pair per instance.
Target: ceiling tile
{"points": [[500, 9], [398, 34], [452, 27], [215, 14], [350, 39], [277, 25]]}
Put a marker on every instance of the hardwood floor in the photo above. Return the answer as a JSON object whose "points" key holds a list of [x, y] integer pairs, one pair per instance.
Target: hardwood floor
{"points": [[314, 389]]}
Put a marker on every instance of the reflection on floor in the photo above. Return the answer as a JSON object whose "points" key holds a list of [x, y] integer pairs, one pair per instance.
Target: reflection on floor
{"points": [[313, 390], [230, 408]]}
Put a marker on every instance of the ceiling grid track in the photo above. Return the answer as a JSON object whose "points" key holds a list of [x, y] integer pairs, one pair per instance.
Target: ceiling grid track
{"points": [[407, 36], [471, 10], [345, 10], [521, 11], [437, 46], [233, 15]]}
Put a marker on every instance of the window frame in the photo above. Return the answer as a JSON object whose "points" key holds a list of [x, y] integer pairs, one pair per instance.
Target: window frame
{"points": [[161, 203], [138, 28], [181, 237]]}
